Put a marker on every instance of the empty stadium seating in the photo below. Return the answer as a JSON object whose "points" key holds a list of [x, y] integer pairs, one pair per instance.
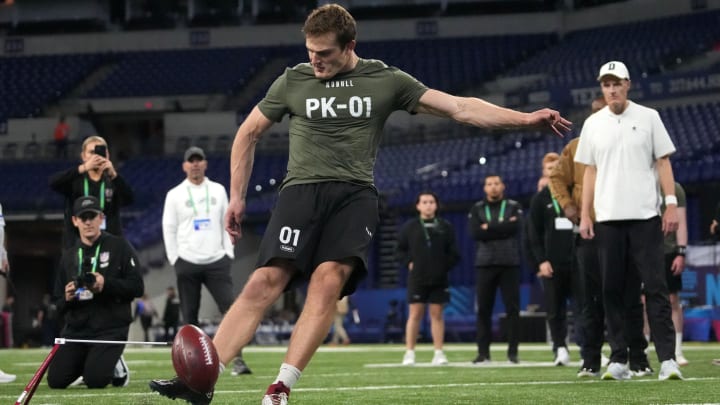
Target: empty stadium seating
{"points": [[179, 72], [648, 47]]}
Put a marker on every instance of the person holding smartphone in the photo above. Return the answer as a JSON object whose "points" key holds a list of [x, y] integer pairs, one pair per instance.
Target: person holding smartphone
{"points": [[95, 176]]}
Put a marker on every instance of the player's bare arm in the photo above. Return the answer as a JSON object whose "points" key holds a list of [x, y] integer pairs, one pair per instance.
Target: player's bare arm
{"points": [[241, 163], [480, 113]]}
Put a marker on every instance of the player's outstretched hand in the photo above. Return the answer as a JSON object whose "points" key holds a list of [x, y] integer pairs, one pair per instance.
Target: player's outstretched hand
{"points": [[233, 218], [547, 118]]}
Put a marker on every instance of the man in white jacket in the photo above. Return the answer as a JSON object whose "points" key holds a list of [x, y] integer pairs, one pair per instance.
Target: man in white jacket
{"points": [[195, 240]]}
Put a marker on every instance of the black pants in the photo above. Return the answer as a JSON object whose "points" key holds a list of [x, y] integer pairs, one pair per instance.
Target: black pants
{"points": [[95, 363], [191, 277], [170, 331], [557, 290], [631, 254], [593, 311], [488, 280]]}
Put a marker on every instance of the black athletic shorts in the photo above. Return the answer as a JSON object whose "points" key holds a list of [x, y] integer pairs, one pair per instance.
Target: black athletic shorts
{"points": [[674, 282], [433, 294], [319, 222]]}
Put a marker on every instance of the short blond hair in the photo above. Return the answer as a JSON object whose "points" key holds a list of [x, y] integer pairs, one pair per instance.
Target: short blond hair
{"points": [[93, 138]]}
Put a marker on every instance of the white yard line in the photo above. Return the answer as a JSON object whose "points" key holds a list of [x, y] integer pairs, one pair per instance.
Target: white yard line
{"points": [[55, 396]]}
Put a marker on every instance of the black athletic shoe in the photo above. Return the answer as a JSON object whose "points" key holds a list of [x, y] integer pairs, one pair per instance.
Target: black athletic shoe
{"points": [[481, 358], [588, 372], [176, 389], [239, 367]]}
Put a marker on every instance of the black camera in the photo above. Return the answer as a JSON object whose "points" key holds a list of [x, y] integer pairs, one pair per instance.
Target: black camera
{"points": [[86, 280]]}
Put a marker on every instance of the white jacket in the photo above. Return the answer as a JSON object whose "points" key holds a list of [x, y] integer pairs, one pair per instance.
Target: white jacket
{"points": [[193, 223]]}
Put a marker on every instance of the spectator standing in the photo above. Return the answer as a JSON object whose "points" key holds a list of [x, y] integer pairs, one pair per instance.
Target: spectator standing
{"points": [[339, 334], [675, 246], [145, 311], [195, 242], [95, 176], [552, 242], [427, 246], [494, 223], [171, 314], [566, 184], [625, 148], [4, 262], [4, 269], [61, 136]]}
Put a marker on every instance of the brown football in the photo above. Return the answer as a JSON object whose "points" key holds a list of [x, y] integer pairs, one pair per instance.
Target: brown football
{"points": [[195, 359]]}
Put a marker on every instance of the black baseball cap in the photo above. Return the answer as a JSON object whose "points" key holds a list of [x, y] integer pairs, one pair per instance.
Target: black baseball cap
{"points": [[86, 204], [194, 151]]}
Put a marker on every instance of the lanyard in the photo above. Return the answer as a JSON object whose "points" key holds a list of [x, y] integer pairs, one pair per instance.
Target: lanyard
{"points": [[207, 201], [425, 232], [556, 206], [94, 260], [501, 217], [86, 188]]}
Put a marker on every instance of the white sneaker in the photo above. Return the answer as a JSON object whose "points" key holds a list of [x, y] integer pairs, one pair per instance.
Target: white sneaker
{"points": [[439, 359], [121, 374], [604, 360], [681, 360], [669, 370], [275, 399], [562, 356], [7, 378], [409, 358], [617, 371], [78, 382]]}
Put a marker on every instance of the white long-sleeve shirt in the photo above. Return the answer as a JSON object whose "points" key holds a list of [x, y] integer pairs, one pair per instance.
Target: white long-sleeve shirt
{"points": [[193, 223]]}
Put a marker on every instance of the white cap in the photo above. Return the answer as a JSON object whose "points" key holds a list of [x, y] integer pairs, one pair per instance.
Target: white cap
{"points": [[614, 68]]}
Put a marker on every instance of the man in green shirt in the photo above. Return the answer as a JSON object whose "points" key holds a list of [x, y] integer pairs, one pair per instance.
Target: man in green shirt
{"points": [[326, 213]]}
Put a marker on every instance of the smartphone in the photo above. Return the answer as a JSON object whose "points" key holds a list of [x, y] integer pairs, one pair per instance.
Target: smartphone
{"points": [[101, 150]]}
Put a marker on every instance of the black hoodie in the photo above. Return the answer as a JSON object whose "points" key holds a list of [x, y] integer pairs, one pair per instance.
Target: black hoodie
{"points": [[108, 313]]}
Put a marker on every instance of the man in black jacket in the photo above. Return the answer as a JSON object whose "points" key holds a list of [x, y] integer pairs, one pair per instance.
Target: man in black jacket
{"points": [[552, 244], [427, 246], [494, 224], [97, 282]]}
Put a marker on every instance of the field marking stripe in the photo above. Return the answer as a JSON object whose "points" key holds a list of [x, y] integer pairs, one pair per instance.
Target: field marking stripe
{"points": [[373, 387], [397, 348]]}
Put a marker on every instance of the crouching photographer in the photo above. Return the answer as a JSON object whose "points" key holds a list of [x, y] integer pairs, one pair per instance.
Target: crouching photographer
{"points": [[98, 279]]}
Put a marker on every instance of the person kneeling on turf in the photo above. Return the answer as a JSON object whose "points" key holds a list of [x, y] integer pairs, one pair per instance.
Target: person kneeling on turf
{"points": [[98, 279]]}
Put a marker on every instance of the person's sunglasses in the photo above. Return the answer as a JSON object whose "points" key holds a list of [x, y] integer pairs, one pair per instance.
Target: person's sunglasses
{"points": [[88, 216]]}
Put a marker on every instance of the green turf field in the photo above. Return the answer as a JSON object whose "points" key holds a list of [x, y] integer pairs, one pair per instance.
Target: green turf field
{"points": [[371, 374]]}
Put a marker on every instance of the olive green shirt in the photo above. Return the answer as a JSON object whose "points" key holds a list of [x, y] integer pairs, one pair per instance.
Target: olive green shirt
{"points": [[670, 242], [336, 124]]}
